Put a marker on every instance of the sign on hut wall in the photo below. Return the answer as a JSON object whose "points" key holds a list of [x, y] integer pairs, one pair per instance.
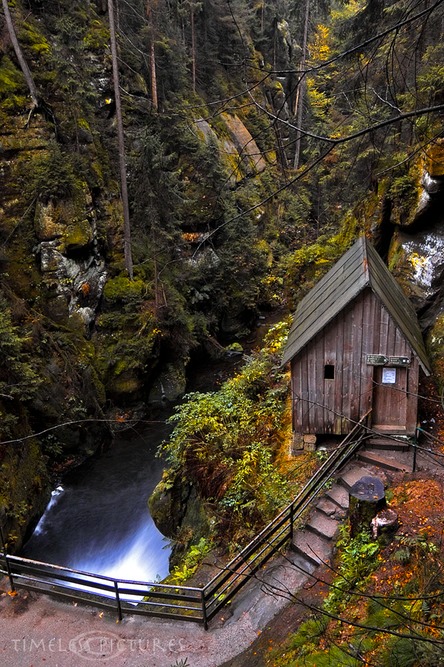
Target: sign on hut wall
{"points": [[382, 360]]}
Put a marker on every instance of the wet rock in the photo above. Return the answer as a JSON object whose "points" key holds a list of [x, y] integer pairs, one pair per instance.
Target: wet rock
{"points": [[170, 385], [423, 261]]}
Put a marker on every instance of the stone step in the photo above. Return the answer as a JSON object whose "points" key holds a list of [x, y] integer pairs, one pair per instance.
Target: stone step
{"points": [[353, 474], [301, 562], [391, 444], [338, 495], [322, 525], [374, 457], [315, 549], [330, 508]]}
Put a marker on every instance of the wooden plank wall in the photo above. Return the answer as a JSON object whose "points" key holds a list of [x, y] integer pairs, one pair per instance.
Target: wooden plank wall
{"points": [[333, 405]]}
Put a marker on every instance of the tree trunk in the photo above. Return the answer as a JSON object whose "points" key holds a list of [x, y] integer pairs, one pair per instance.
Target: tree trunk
{"points": [[193, 50], [151, 16], [121, 144], [300, 92], [153, 72], [20, 57]]}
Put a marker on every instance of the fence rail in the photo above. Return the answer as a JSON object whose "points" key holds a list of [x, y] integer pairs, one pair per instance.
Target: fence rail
{"points": [[186, 603]]}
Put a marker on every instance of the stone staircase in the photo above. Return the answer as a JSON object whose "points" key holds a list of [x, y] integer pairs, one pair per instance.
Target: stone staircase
{"points": [[315, 541]]}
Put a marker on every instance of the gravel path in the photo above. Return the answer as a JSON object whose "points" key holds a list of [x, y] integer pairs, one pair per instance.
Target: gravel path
{"points": [[38, 630]]}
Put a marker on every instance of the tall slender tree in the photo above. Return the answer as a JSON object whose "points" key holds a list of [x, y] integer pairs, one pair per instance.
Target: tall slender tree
{"points": [[300, 92], [151, 11], [20, 57], [121, 143]]}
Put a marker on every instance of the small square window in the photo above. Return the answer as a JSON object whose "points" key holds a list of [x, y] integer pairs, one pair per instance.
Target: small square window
{"points": [[329, 372]]}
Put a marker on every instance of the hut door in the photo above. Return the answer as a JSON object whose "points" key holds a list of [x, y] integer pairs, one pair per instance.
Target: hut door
{"points": [[389, 410]]}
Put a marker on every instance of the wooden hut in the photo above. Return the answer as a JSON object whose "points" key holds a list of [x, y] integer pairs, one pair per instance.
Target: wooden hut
{"points": [[355, 345]]}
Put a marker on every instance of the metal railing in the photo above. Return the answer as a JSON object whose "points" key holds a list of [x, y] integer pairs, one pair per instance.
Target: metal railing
{"points": [[186, 603]]}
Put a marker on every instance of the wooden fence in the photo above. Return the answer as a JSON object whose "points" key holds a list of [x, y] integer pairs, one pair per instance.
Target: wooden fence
{"points": [[186, 603]]}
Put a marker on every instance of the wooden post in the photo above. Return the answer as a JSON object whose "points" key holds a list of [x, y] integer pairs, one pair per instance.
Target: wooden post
{"points": [[367, 498], [119, 606]]}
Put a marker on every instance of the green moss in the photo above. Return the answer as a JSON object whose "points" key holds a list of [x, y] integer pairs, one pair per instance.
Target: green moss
{"points": [[33, 38], [11, 79], [309, 263], [97, 37], [126, 384], [126, 340], [23, 481], [12, 87], [122, 288]]}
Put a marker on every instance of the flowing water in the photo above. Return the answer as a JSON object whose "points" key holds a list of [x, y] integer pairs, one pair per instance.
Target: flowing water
{"points": [[98, 519]]}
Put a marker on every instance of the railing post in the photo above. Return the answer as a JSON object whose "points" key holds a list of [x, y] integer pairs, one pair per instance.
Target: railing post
{"points": [[291, 522], [415, 448], [204, 609], [119, 606], [5, 555], [8, 570]]}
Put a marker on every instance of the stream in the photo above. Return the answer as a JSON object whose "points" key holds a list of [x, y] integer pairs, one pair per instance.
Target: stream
{"points": [[98, 519]]}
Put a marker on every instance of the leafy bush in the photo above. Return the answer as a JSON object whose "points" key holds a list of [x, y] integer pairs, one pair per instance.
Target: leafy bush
{"points": [[357, 560], [225, 442], [196, 553]]}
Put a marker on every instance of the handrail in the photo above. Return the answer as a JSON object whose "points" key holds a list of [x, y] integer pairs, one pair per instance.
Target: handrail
{"points": [[217, 590], [182, 602]]}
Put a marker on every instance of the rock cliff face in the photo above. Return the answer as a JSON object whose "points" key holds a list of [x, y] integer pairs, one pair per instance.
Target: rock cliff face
{"points": [[418, 245]]}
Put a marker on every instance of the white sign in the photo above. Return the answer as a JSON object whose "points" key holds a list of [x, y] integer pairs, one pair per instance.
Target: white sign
{"points": [[389, 375]]}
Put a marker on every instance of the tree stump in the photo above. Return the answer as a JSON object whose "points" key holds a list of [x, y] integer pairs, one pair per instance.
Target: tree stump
{"points": [[367, 498]]}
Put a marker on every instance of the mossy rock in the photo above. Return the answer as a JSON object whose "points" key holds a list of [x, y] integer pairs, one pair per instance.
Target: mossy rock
{"points": [[406, 192], [63, 221], [97, 37], [434, 159], [78, 234], [33, 39], [435, 344], [164, 509], [126, 383], [175, 506]]}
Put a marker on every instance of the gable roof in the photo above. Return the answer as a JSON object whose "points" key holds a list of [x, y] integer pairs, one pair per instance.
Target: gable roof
{"points": [[358, 268]]}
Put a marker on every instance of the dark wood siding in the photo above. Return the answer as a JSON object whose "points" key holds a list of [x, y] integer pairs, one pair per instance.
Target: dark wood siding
{"points": [[332, 405]]}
